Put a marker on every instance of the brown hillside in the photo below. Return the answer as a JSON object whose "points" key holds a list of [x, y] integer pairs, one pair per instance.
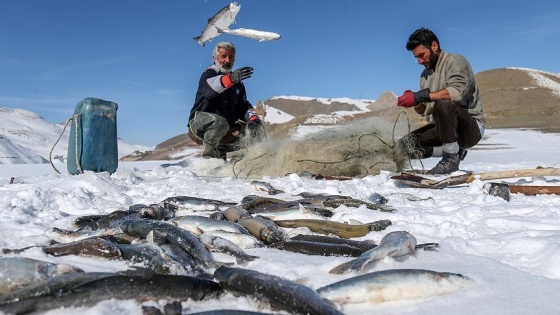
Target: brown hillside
{"points": [[513, 99], [307, 107]]}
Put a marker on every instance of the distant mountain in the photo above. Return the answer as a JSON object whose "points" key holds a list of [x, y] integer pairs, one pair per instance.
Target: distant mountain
{"points": [[512, 97], [519, 97], [27, 138]]}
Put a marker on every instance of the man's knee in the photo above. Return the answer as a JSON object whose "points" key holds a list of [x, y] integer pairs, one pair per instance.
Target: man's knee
{"points": [[443, 108]]}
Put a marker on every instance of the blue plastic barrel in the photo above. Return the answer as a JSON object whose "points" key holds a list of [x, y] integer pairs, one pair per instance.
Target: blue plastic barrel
{"points": [[93, 137]]}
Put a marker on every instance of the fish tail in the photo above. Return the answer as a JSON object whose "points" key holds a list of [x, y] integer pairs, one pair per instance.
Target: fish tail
{"points": [[197, 38], [342, 268], [379, 225], [243, 260]]}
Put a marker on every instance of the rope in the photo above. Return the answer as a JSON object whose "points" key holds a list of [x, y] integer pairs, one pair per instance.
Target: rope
{"points": [[56, 142], [78, 164], [76, 119]]}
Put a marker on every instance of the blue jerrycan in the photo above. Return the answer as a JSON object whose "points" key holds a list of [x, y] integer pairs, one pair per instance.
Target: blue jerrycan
{"points": [[93, 137]]}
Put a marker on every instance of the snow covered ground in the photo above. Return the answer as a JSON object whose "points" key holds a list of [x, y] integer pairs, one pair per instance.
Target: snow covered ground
{"points": [[510, 249]]}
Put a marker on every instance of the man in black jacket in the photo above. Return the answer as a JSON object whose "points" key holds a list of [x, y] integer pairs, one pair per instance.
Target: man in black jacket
{"points": [[221, 112]]}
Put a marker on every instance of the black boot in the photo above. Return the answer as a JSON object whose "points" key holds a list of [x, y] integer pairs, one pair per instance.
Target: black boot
{"points": [[449, 163], [463, 154]]}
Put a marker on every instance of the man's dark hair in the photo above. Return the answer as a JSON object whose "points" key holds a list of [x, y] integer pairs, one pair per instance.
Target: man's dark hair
{"points": [[421, 36]]}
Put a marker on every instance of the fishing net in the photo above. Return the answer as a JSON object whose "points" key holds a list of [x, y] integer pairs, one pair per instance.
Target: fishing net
{"points": [[355, 149]]}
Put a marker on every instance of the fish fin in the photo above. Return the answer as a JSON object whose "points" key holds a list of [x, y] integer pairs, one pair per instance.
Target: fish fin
{"points": [[245, 259], [355, 222], [150, 237], [156, 237]]}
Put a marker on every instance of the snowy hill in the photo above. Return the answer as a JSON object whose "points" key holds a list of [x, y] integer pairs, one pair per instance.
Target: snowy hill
{"points": [[27, 138], [282, 109]]}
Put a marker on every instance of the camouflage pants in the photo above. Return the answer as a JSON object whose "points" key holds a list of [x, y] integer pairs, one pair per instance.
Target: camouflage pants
{"points": [[209, 128], [214, 131]]}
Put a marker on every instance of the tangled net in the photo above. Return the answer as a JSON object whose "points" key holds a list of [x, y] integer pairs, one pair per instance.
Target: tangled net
{"points": [[355, 149]]}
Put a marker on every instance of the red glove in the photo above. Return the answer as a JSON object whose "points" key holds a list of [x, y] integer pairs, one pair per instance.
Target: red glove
{"points": [[407, 99]]}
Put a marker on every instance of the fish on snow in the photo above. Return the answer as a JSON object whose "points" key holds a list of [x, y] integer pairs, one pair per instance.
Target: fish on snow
{"points": [[394, 285]]}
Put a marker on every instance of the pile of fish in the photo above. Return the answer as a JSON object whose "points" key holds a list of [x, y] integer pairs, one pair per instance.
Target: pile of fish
{"points": [[169, 247]]}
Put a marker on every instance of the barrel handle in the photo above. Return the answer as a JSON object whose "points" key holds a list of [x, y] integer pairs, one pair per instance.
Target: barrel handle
{"points": [[60, 136]]}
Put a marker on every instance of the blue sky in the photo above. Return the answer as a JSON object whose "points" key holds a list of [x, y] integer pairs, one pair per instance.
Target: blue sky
{"points": [[141, 54]]}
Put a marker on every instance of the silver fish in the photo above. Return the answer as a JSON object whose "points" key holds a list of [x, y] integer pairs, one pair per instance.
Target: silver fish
{"points": [[140, 285], [394, 285], [261, 36], [68, 236], [239, 239], [280, 293], [52, 285], [183, 205], [334, 201], [107, 221], [172, 234], [218, 244], [17, 272], [264, 186], [198, 224], [221, 20], [394, 244], [152, 257]]}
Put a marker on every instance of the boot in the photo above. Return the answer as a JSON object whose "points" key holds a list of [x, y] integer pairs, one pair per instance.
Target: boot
{"points": [[463, 154], [449, 163], [211, 152]]}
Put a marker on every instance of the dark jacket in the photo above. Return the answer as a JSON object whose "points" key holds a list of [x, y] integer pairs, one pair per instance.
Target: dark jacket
{"points": [[213, 97]]}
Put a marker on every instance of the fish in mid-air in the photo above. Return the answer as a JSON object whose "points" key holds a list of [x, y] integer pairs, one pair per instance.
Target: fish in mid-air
{"points": [[221, 20], [261, 36]]}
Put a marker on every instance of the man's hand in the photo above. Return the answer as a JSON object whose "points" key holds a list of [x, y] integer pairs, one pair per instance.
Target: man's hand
{"points": [[241, 74], [254, 121], [407, 99], [236, 76]]}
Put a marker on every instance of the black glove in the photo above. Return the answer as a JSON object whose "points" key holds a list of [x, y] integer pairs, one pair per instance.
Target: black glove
{"points": [[241, 74], [255, 122], [422, 96]]}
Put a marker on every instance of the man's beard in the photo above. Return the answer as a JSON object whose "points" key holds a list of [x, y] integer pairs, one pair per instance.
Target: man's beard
{"points": [[433, 60], [225, 68]]}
